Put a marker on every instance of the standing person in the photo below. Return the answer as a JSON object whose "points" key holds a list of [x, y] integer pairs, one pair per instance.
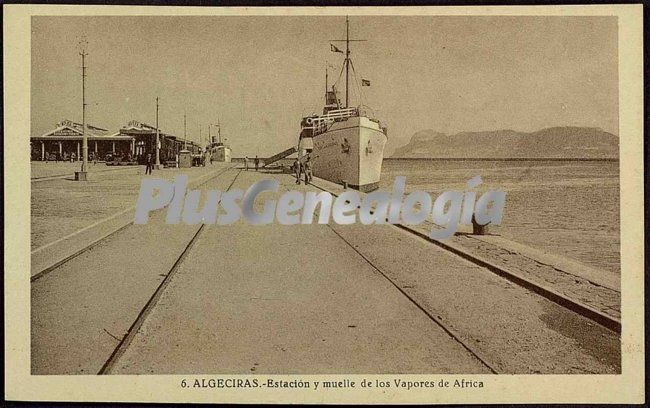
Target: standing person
{"points": [[257, 163], [246, 162], [149, 164], [307, 170], [73, 157], [297, 168]]}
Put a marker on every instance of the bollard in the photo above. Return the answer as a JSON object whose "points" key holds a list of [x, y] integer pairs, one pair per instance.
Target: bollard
{"points": [[80, 176], [345, 185], [478, 229]]}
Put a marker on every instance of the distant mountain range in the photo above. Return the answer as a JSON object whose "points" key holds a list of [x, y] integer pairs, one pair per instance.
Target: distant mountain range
{"points": [[556, 142]]}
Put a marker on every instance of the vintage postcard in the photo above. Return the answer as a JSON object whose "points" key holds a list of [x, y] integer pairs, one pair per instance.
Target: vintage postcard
{"points": [[324, 205]]}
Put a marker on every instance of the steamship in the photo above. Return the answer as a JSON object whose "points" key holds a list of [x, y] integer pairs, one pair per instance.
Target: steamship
{"points": [[219, 151], [345, 144]]}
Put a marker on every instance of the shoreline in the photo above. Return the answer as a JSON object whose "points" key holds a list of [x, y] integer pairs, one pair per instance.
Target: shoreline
{"points": [[581, 159]]}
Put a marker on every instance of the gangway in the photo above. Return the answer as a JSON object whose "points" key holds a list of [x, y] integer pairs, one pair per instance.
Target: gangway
{"points": [[279, 156]]}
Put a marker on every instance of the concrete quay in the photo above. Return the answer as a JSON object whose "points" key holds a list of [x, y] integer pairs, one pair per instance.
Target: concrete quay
{"points": [[595, 290], [87, 212], [162, 299]]}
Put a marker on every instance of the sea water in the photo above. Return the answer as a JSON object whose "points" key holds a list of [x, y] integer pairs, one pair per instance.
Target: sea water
{"points": [[570, 208]]}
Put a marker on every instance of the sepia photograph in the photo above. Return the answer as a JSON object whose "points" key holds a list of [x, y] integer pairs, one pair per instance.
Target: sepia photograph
{"points": [[328, 202]]}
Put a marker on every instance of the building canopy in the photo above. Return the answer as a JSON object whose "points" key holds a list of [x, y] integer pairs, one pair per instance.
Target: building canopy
{"points": [[69, 130]]}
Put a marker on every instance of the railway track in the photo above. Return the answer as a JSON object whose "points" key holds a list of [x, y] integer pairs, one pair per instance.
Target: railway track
{"points": [[146, 310], [126, 340], [102, 239], [457, 337], [451, 332], [554, 296], [150, 305]]}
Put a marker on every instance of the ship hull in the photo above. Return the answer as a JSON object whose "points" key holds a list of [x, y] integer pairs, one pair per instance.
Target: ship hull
{"points": [[350, 151], [221, 154]]}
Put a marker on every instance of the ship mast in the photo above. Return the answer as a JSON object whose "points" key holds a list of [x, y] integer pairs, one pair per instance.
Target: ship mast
{"points": [[326, 90], [347, 60]]}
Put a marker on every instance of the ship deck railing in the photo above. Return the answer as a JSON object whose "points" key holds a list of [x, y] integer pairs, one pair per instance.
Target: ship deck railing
{"points": [[320, 123]]}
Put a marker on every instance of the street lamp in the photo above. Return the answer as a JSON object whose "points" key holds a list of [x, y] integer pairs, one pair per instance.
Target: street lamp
{"points": [[157, 166], [82, 175]]}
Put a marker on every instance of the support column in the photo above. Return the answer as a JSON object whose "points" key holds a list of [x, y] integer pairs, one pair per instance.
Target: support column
{"points": [[42, 150], [60, 148], [113, 147], [78, 150], [133, 147], [95, 146]]}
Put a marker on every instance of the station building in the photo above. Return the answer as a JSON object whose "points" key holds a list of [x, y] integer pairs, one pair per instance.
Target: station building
{"points": [[135, 140], [144, 142], [67, 138]]}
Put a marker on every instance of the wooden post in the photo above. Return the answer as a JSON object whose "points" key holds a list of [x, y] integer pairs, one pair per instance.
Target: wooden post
{"points": [[42, 150], [78, 149], [113, 147], [60, 148], [95, 146]]}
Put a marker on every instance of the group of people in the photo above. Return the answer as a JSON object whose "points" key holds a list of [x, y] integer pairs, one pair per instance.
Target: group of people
{"points": [[205, 158], [257, 163], [303, 167], [72, 157], [299, 168]]}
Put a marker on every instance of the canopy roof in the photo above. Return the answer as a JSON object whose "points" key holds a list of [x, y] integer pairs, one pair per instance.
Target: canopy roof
{"points": [[69, 130]]}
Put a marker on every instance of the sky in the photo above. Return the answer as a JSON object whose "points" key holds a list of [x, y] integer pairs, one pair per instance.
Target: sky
{"points": [[258, 76]]}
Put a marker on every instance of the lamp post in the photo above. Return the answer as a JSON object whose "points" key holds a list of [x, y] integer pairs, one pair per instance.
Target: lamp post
{"points": [[82, 175], [157, 166]]}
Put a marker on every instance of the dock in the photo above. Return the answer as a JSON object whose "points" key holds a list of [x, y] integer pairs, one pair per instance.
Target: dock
{"points": [[111, 297]]}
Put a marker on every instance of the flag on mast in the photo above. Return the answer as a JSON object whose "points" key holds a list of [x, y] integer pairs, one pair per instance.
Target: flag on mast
{"points": [[334, 49]]}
